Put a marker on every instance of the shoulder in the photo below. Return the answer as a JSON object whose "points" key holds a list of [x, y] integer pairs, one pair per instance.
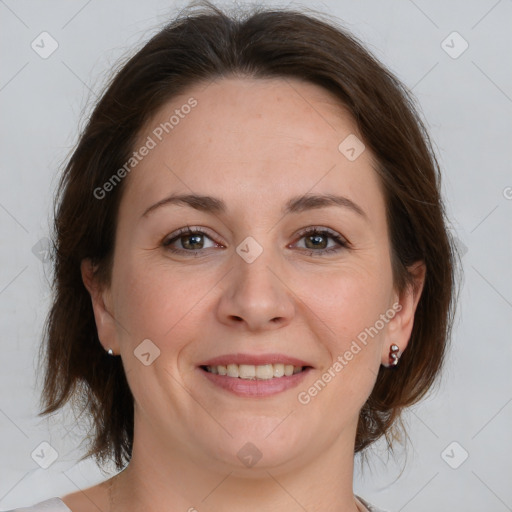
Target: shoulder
{"points": [[50, 505], [80, 501]]}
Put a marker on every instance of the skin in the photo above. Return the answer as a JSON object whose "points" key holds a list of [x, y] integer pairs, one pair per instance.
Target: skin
{"points": [[254, 144]]}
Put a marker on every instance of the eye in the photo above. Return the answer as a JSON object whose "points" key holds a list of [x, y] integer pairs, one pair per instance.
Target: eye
{"points": [[189, 240], [320, 241], [315, 241]]}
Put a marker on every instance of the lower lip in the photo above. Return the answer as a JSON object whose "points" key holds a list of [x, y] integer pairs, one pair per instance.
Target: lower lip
{"points": [[255, 387]]}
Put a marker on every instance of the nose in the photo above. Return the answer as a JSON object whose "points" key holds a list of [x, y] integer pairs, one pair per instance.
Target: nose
{"points": [[255, 295]]}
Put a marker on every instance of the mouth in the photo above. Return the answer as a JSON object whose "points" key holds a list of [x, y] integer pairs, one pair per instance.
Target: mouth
{"points": [[255, 372], [255, 376]]}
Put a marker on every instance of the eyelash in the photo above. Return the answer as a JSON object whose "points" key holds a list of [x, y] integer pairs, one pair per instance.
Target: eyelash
{"points": [[313, 230], [342, 243]]}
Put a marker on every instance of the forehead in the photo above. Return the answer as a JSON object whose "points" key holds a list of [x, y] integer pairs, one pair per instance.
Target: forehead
{"points": [[279, 112], [247, 138]]}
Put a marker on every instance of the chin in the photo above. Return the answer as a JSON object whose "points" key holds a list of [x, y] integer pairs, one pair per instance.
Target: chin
{"points": [[259, 447]]}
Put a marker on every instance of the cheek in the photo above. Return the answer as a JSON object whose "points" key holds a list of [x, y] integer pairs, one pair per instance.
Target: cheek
{"points": [[347, 301], [347, 307], [157, 302], [345, 310]]}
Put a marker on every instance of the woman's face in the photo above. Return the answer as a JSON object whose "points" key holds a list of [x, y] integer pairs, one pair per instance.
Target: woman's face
{"points": [[288, 263]]}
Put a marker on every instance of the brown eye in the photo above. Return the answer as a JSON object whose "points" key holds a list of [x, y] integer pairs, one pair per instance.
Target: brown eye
{"points": [[188, 240], [320, 241], [192, 241], [316, 241]]}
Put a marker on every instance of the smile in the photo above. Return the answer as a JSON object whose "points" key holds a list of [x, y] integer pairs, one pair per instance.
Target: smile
{"points": [[254, 372]]}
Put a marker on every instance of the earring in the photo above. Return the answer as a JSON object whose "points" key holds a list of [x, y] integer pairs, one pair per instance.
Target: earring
{"points": [[110, 352], [393, 355]]}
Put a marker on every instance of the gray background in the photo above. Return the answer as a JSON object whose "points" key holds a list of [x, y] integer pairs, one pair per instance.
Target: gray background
{"points": [[467, 104]]}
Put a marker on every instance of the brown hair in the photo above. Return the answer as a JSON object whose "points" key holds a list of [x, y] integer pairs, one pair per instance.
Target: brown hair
{"points": [[201, 44]]}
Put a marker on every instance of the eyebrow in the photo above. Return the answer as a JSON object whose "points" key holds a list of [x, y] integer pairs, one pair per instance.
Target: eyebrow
{"points": [[297, 204]]}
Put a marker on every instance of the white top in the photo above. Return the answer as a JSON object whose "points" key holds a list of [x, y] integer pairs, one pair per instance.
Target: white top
{"points": [[57, 505], [51, 505]]}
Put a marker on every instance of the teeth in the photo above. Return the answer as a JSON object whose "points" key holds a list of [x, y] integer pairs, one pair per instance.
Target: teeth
{"points": [[265, 371], [278, 370], [247, 371], [233, 370], [252, 372]]}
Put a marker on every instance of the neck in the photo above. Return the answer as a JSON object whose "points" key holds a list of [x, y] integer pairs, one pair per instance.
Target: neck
{"points": [[159, 479]]}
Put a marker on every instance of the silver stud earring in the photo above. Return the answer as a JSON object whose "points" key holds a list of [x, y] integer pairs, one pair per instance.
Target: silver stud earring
{"points": [[393, 355], [110, 352]]}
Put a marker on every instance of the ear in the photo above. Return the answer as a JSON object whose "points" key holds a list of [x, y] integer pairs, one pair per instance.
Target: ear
{"points": [[101, 305], [400, 326]]}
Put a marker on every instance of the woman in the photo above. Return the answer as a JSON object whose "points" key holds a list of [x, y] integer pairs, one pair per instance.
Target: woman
{"points": [[253, 276]]}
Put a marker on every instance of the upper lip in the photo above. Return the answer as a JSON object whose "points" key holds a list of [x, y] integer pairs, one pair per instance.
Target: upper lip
{"points": [[253, 359]]}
